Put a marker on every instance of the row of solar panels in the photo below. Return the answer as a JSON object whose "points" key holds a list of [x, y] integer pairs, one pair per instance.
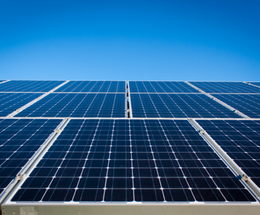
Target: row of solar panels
{"points": [[144, 105], [104, 160], [134, 86]]}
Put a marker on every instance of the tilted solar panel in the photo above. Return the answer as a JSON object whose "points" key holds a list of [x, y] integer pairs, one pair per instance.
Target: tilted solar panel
{"points": [[29, 86], [178, 106], [19, 140], [240, 139], [93, 86], [131, 160], [226, 87], [249, 104], [160, 87], [10, 102], [78, 105]]}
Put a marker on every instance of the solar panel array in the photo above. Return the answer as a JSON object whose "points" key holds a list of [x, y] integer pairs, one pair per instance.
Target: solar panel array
{"points": [[137, 141]]}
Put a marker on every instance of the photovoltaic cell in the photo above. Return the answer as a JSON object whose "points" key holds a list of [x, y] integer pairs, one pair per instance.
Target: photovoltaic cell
{"points": [[131, 160], [178, 106], [77, 105], [10, 102], [160, 86], [19, 140], [226, 87], [245, 103], [240, 139], [29, 86], [93, 86]]}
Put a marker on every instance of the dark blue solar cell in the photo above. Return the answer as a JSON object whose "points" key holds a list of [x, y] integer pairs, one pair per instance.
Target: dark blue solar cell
{"points": [[178, 106], [150, 165], [15, 146], [160, 87], [226, 87], [93, 86], [10, 102], [245, 103], [119, 195], [241, 142], [78, 105], [29, 86]]}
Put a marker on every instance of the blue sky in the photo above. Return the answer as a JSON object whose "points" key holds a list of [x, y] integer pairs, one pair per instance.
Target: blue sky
{"points": [[130, 40]]}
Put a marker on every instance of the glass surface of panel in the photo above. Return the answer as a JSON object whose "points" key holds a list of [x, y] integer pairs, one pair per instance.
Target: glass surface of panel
{"points": [[131, 160]]}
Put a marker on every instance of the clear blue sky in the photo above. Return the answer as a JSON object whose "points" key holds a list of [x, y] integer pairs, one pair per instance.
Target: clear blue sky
{"points": [[130, 40]]}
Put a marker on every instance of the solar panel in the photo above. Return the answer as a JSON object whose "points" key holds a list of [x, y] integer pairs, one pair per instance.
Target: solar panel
{"points": [[240, 139], [29, 86], [178, 106], [78, 105], [131, 160], [249, 104], [10, 102], [160, 87], [19, 140], [226, 87], [93, 86]]}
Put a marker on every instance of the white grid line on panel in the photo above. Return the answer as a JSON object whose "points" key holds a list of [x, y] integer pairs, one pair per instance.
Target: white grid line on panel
{"points": [[108, 162], [131, 161], [154, 161]]}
